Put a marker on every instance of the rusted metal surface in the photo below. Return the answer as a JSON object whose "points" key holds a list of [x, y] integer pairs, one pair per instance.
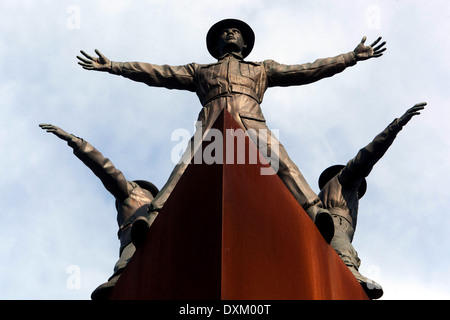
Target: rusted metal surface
{"points": [[249, 239]]}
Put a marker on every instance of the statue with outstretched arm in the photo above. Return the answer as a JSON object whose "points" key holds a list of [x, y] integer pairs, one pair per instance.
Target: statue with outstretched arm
{"points": [[238, 86], [341, 187], [132, 198]]}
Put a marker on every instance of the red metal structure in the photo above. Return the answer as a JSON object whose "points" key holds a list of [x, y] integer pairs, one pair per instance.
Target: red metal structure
{"points": [[244, 237]]}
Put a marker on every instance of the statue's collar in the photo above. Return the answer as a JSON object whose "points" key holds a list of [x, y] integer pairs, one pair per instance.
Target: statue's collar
{"points": [[233, 54]]}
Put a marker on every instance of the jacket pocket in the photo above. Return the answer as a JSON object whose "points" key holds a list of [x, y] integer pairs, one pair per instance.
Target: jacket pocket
{"points": [[211, 71], [249, 70]]}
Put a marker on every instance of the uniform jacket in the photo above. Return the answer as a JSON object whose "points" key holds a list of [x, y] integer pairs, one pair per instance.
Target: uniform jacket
{"points": [[340, 194], [231, 83]]}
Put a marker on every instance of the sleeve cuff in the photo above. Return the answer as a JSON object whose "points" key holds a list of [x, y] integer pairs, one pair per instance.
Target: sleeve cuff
{"points": [[116, 68], [395, 125], [75, 143], [349, 59]]}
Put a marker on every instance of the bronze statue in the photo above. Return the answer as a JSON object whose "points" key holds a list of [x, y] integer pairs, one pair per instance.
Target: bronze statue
{"points": [[132, 199], [238, 86], [341, 187]]}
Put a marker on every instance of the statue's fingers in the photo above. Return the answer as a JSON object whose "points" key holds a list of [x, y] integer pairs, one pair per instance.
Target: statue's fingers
{"points": [[46, 126], [375, 42], [377, 55], [99, 53], [49, 129], [88, 68], [415, 109], [86, 65], [84, 60], [379, 46], [363, 39], [379, 51], [420, 104], [86, 55]]}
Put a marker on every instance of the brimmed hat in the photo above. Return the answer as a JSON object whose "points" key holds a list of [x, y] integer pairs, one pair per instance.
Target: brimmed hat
{"points": [[330, 172], [214, 31], [147, 186]]}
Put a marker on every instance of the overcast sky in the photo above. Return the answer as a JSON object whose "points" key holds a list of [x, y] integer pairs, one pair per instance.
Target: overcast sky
{"points": [[58, 238]]}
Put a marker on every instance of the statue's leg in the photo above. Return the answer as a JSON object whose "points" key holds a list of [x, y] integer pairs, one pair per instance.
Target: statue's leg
{"points": [[103, 291], [286, 169], [165, 192], [342, 245], [290, 174], [141, 224]]}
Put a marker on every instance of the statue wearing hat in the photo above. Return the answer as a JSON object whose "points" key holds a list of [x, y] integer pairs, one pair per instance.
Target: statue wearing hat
{"points": [[238, 86], [132, 199], [341, 187]]}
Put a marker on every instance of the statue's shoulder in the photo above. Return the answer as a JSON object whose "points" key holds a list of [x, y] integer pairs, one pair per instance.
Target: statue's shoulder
{"points": [[269, 62], [253, 63], [206, 65]]}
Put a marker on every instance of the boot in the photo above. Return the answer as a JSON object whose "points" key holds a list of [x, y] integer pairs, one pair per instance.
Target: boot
{"points": [[372, 289], [104, 290]]}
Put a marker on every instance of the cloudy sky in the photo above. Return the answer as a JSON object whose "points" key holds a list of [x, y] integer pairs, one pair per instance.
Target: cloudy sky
{"points": [[58, 238]]}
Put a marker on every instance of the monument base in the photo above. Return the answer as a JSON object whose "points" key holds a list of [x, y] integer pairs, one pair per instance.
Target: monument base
{"points": [[229, 233]]}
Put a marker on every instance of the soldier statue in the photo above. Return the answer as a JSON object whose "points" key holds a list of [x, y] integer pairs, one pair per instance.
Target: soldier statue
{"points": [[238, 86], [341, 187], [132, 199]]}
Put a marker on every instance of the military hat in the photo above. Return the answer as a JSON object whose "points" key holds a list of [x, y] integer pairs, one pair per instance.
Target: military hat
{"points": [[330, 172], [244, 28], [147, 186]]}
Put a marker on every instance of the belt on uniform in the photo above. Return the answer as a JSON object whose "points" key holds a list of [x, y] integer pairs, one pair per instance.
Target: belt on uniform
{"points": [[221, 91], [339, 212]]}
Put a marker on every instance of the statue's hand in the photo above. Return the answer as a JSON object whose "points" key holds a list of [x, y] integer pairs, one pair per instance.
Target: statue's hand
{"points": [[363, 52], [404, 119], [60, 133], [101, 63]]}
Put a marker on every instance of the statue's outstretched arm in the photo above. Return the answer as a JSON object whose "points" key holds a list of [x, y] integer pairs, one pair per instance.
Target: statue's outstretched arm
{"points": [[171, 77], [111, 177], [60, 133], [360, 166]]}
